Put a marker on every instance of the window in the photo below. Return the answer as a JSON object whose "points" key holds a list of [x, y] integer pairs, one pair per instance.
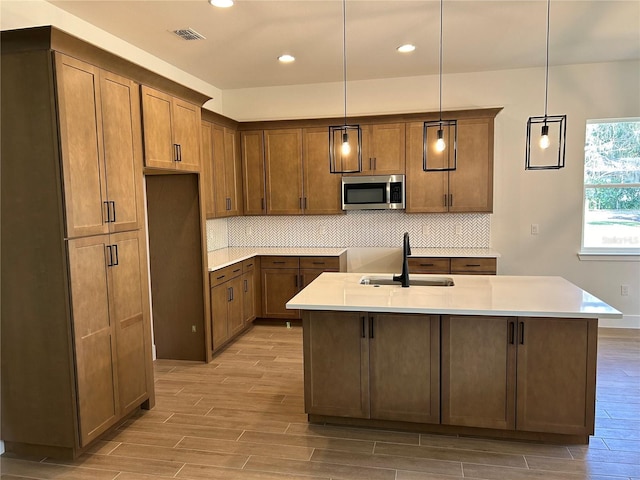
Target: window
{"points": [[611, 220]]}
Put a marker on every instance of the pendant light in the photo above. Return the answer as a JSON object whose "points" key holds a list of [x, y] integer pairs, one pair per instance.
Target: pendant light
{"points": [[440, 137], [345, 151], [546, 151]]}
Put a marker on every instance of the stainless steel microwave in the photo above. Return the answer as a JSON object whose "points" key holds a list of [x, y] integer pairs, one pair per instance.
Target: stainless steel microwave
{"points": [[376, 192]]}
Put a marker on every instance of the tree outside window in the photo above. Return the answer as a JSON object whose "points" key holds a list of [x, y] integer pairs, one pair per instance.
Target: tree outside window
{"points": [[612, 186]]}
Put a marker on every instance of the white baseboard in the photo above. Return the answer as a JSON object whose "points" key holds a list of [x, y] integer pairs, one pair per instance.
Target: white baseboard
{"points": [[627, 321]]}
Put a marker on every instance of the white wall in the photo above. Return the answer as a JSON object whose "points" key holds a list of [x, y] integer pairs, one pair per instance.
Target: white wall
{"points": [[552, 199]]}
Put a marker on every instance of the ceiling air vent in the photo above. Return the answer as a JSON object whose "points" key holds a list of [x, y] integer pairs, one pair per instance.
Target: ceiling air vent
{"points": [[189, 34]]}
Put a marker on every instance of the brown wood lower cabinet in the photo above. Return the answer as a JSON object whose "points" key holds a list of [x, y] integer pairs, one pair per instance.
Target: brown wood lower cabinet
{"points": [[284, 276], [508, 377], [378, 366], [528, 374], [226, 304], [112, 340], [456, 265]]}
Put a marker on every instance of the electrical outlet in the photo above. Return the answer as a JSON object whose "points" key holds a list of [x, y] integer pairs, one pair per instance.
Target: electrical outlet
{"points": [[535, 229], [624, 290], [193, 329], [458, 229], [249, 231], [426, 230], [323, 230]]}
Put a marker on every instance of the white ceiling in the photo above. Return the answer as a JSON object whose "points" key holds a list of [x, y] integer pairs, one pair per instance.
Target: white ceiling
{"points": [[242, 42]]}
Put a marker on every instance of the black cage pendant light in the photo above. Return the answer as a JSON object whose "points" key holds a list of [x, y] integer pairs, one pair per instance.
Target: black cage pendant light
{"points": [[440, 137], [546, 151], [345, 141]]}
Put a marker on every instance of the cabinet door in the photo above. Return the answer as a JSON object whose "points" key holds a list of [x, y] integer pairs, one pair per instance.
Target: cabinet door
{"points": [[321, 188], [556, 374], [279, 285], [159, 148], [208, 169], [383, 149], [79, 115], [94, 339], [129, 313], [308, 275], [404, 367], [478, 371], [186, 134], [122, 151], [425, 191], [232, 173], [219, 299], [219, 174], [248, 296], [336, 353], [283, 171], [234, 316], [471, 184], [252, 149]]}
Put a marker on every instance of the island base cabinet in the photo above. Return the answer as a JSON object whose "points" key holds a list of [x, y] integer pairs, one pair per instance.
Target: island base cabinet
{"points": [[478, 367], [556, 375], [336, 351], [516, 373], [404, 367], [382, 366]]}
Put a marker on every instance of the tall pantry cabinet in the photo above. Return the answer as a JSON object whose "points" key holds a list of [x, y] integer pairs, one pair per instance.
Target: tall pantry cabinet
{"points": [[76, 336]]}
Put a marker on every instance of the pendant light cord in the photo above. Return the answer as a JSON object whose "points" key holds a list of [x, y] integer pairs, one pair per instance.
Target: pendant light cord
{"points": [[344, 56], [546, 81], [440, 61]]}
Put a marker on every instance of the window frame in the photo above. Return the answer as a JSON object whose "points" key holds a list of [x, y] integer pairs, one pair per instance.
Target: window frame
{"points": [[604, 253]]}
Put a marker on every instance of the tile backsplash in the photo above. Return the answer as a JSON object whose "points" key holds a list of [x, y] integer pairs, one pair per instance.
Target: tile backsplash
{"points": [[365, 228]]}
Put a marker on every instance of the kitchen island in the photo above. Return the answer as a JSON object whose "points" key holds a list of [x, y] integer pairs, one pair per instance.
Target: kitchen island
{"points": [[498, 356]]}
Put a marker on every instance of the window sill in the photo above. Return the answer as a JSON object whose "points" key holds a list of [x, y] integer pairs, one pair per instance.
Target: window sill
{"points": [[609, 257]]}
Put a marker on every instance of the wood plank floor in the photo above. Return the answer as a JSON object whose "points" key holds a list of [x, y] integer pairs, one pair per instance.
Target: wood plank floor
{"points": [[242, 417]]}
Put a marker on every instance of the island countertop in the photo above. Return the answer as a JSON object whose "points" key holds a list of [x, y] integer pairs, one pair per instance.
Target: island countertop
{"points": [[495, 295]]}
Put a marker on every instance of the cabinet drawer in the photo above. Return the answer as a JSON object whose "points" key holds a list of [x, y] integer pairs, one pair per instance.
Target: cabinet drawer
{"points": [[224, 274], [280, 262], [249, 265], [326, 263], [429, 265], [473, 265]]}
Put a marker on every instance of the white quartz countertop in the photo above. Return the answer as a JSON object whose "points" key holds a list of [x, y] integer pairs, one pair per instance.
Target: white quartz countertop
{"points": [[454, 252], [500, 295], [227, 256]]}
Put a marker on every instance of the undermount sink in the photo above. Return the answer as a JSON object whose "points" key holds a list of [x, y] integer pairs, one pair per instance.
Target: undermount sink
{"points": [[413, 282]]}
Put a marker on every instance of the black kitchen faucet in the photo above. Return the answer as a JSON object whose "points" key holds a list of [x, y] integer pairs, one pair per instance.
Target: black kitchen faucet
{"points": [[406, 251]]}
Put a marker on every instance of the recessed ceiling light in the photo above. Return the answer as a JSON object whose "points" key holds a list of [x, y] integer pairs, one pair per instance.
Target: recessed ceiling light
{"points": [[406, 48], [286, 58], [221, 3]]}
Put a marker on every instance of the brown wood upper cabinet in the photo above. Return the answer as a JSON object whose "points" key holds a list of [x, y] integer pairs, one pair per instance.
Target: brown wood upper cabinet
{"points": [[100, 141], [383, 149], [253, 183], [469, 188], [389, 365], [283, 171], [172, 129], [321, 189], [530, 374], [222, 171]]}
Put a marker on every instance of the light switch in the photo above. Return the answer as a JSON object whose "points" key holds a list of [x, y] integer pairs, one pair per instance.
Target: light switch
{"points": [[535, 229]]}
